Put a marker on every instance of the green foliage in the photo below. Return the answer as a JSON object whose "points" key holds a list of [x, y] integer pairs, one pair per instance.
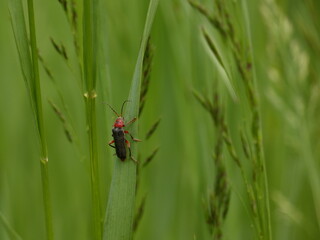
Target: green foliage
{"points": [[229, 92]]}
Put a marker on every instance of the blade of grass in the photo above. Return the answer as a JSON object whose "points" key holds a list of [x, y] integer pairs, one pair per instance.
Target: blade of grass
{"points": [[121, 203], [89, 68], [312, 169], [214, 55], [9, 229], [22, 43], [30, 70]]}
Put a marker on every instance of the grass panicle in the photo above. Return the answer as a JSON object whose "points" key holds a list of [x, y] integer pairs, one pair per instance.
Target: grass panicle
{"points": [[244, 67], [215, 110], [219, 198], [71, 13], [146, 68], [62, 112]]}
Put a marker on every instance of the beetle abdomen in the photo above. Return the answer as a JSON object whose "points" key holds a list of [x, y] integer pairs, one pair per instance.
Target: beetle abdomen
{"points": [[120, 143]]}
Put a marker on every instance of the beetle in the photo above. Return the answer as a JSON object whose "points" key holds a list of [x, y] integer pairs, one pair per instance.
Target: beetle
{"points": [[118, 133]]}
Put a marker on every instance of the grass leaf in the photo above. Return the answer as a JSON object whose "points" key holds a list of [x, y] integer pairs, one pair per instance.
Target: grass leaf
{"points": [[121, 203], [214, 55], [22, 43], [9, 229]]}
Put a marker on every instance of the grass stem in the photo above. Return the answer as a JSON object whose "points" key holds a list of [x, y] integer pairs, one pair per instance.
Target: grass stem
{"points": [[40, 123], [90, 96]]}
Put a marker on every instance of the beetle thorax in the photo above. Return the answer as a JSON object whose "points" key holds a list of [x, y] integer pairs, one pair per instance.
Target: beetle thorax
{"points": [[119, 123]]}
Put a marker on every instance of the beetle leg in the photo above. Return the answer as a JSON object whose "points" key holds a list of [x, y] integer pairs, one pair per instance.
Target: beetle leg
{"points": [[128, 145], [131, 121], [134, 139], [111, 143]]}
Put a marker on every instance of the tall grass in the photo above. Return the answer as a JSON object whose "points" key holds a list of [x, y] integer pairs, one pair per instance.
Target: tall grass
{"points": [[233, 97]]}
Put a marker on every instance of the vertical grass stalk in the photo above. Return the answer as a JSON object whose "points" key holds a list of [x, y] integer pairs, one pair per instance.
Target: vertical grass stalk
{"points": [[257, 131], [89, 65], [40, 123], [30, 71]]}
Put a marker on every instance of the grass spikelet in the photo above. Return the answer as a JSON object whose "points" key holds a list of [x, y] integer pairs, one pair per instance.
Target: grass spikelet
{"points": [[216, 22], [60, 49], [245, 146], [152, 129], [62, 119], [45, 67], [139, 214], [220, 197], [147, 65], [150, 158]]}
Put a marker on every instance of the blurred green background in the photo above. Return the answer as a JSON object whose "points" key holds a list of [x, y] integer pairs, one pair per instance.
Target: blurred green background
{"points": [[286, 47]]}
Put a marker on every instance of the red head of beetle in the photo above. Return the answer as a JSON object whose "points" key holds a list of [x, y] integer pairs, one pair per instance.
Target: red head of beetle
{"points": [[119, 123]]}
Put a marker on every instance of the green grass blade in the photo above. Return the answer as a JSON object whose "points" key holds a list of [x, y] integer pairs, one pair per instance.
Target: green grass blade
{"points": [[22, 43], [312, 169], [30, 70], [213, 53], [121, 203], [9, 229]]}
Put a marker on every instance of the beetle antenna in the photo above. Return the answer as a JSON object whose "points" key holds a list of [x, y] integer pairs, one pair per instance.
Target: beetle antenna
{"points": [[113, 110], [123, 106]]}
